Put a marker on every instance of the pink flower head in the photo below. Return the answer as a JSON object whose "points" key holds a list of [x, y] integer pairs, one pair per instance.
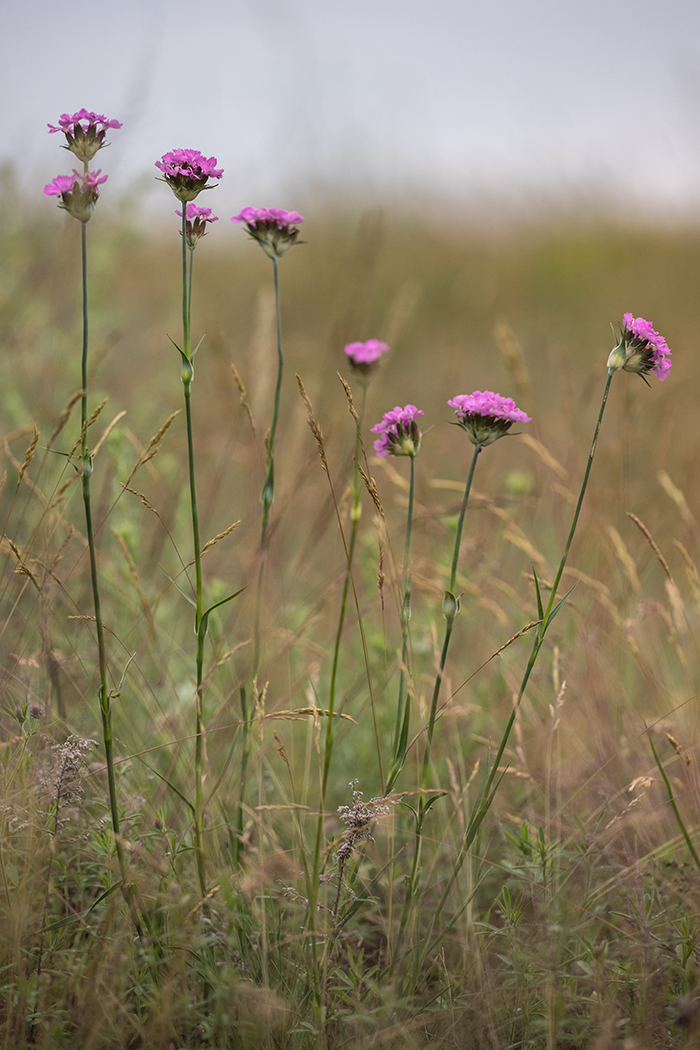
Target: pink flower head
{"points": [[641, 349], [196, 220], [78, 192], [85, 132], [187, 172], [363, 357], [274, 229], [486, 416], [399, 432]]}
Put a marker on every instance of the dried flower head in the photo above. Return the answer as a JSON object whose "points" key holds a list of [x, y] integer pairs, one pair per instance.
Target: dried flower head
{"points": [[187, 172], [486, 416], [196, 220], [85, 132], [641, 349], [359, 819], [78, 192], [399, 432], [64, 778], [274, 229], [363, 357]]}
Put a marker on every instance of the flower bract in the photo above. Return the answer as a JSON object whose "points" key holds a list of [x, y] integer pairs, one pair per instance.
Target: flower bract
{"points": [[363, 357], [274, 229], [486, 416], [399, 432], [196, 220], [78, 192], [187, 172], [641, 349], [85, 132]]}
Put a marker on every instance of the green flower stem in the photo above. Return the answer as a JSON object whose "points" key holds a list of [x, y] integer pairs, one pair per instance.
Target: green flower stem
{"points": [[187, 375], [105, 699], [488, 792], [451, 607], [268, 492], [403, 710], [355, 515]]}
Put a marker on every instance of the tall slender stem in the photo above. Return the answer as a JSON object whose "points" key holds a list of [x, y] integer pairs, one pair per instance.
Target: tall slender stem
{"points": [[268, 492], [355, 515], [486, 796], [104, 695], [450, 607], [403, 709], [187, 379]]}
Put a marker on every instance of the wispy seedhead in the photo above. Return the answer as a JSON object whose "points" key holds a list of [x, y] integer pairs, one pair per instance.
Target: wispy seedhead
{"points": [[399, 432], [274, 229], [641, 349], [85, 132], [187, 172], [78, 192], [486, 416]]}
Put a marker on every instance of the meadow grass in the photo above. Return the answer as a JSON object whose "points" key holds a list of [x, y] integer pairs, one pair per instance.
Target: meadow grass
{"points": [[571, 921]]}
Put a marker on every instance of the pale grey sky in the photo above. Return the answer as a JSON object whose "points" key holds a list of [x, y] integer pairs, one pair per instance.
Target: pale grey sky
{"points": [[296, 96]]}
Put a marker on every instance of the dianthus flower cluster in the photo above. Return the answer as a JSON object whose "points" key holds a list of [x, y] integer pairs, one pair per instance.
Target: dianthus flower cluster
{"points": [[641, 349], [399, 432], [187, 172], [363, 357], [85, 132], [78, 192], [486, 416], [274, 229], [196, 220]]}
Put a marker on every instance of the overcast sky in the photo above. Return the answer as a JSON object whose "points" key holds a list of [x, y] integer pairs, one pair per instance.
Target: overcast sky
{"points": [[298, 96]]}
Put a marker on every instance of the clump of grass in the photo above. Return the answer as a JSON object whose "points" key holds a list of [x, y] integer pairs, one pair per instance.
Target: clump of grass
{"points": [[565, 916]]}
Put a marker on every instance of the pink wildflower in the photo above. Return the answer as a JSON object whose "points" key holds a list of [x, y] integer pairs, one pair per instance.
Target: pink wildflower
{"points": [[641, 349], [78, 192], [363, 357], [187, 172], [196, 220], [85, 132], [486, 416], [274, 229], [399, 432]]}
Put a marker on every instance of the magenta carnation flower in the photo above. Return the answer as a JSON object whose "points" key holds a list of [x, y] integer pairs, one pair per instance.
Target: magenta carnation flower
{"points": [[85, 132], [399, 432], [196, 220], [486, 416], [274, 229], [641, 349], [187, 172], [78, 192], [363, 357]]}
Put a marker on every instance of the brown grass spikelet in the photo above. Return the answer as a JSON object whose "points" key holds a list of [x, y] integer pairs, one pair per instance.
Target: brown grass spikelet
{"points": [[351, 403], [108, 431], [29, 456], [152, 448], [65, 415], [244, 396], [650, 540], [311, 420], [512, 353], [371, 486], [219, 536], [88, 423]]}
